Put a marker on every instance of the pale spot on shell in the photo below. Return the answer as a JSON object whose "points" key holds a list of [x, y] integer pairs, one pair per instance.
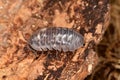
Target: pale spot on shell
{"points": [[70, 37], [38, 36], [58, 38]]}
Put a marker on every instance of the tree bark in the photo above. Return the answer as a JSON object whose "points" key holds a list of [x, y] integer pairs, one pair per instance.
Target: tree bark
{"points": [[19, 19]]}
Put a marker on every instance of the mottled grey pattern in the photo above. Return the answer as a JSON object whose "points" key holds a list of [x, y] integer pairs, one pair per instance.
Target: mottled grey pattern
{"points": [[57, 38]]}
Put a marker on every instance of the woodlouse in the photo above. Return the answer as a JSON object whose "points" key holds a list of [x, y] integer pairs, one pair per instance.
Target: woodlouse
{"points": [[56, 38]]}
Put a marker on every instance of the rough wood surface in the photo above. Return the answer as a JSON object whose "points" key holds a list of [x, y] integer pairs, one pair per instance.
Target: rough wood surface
{"points": [[20, 18]]}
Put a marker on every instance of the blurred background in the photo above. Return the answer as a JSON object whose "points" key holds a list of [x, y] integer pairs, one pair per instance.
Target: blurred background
{"points": [[109, 48]]}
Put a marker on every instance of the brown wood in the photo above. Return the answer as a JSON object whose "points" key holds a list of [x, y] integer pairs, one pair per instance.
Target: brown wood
{"points": [[20, 18]]}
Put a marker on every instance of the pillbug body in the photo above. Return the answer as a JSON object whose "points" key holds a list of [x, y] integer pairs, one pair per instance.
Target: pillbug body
{"points": [[56, 38]]}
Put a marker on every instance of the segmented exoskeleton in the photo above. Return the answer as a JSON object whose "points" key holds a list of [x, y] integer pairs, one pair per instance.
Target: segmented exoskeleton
{"points": [[56, 38]]}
